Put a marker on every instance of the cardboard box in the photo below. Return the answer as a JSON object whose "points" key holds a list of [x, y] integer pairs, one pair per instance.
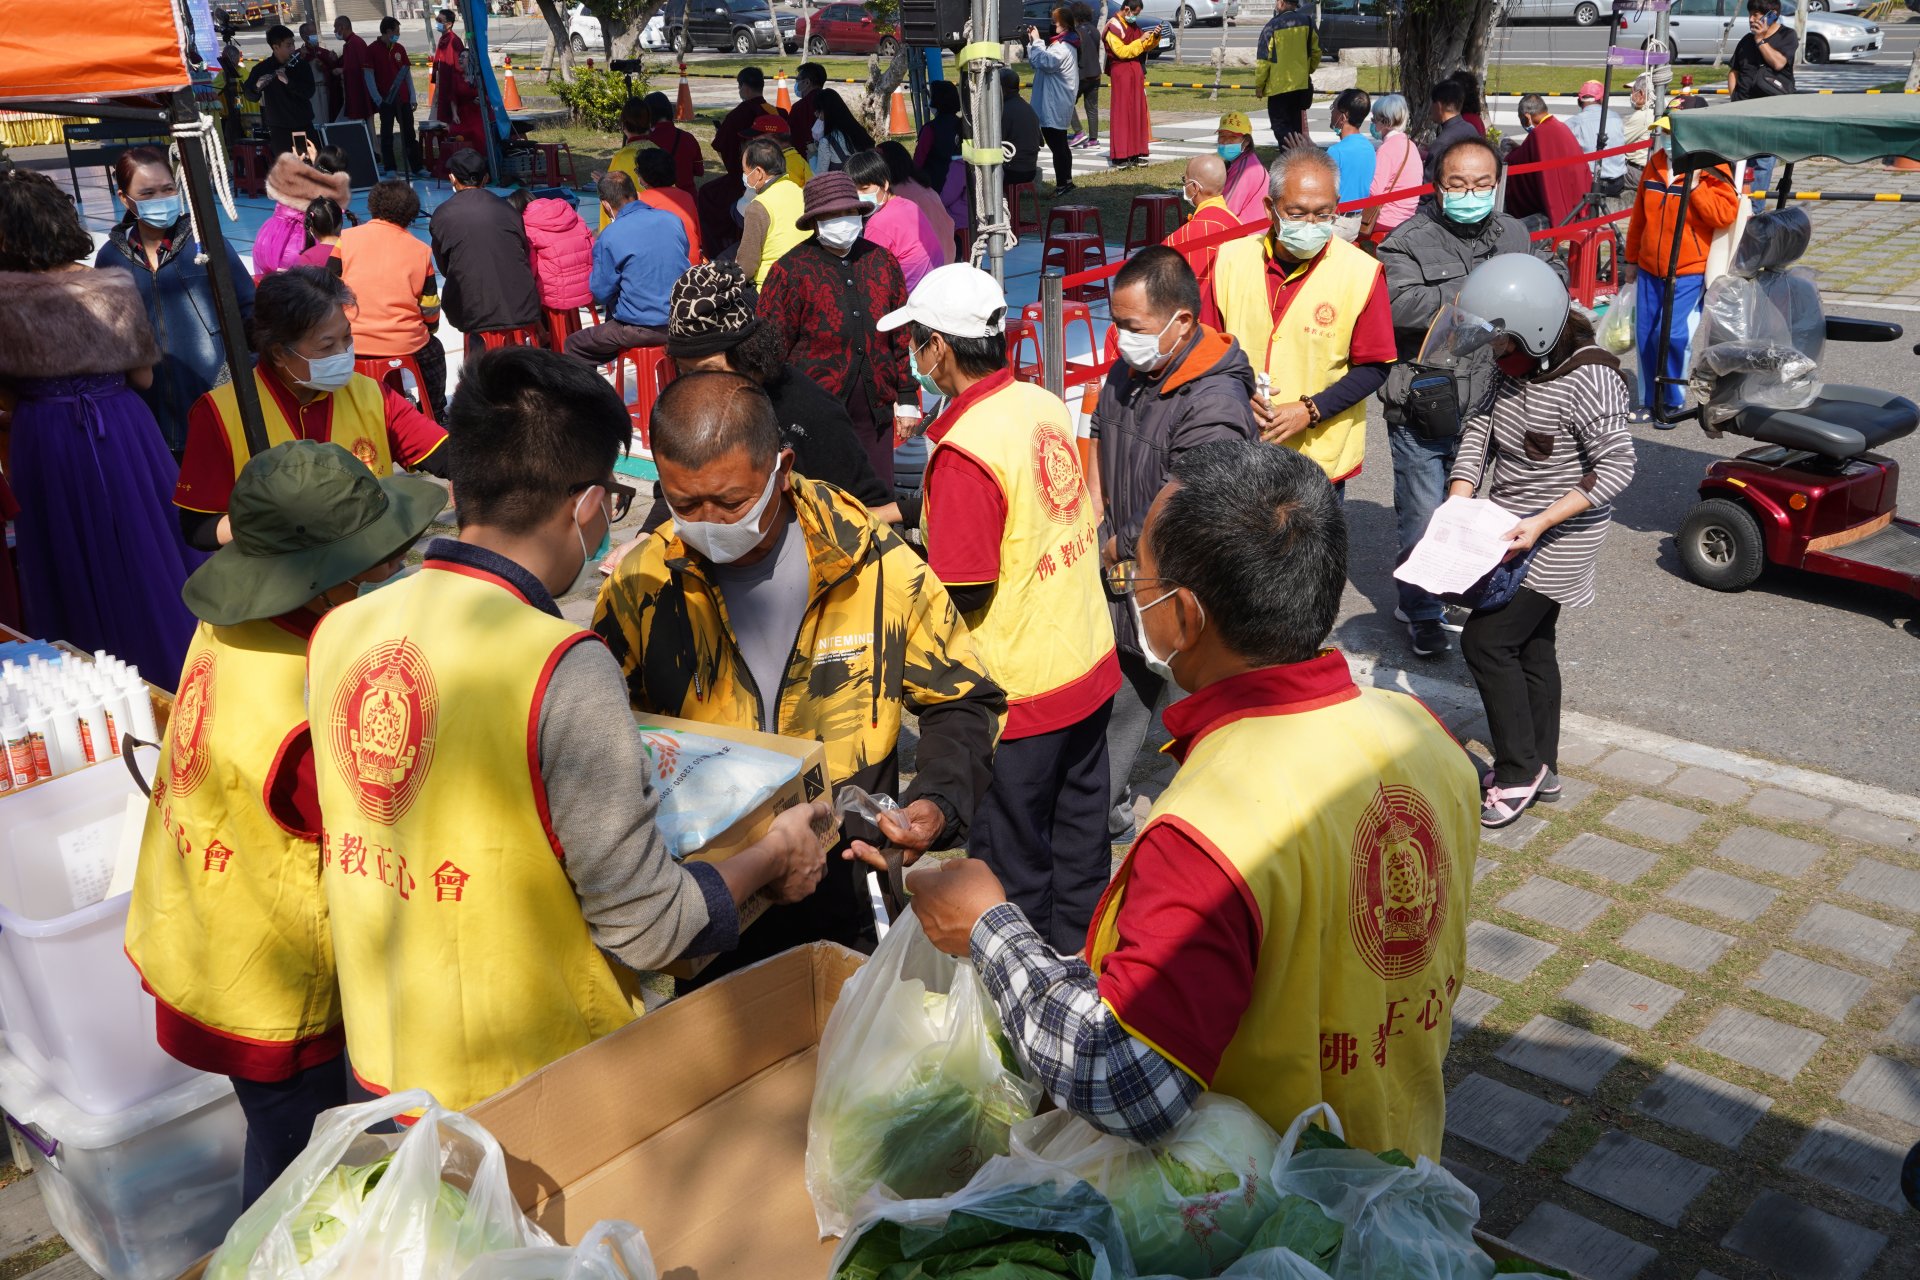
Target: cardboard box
{"points": [[809, 785]]}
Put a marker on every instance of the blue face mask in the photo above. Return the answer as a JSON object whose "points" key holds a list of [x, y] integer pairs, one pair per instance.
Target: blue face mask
{"points": [[1230, 151], [1373, 131], [1467, 207], [927, 384], [159, 213]]}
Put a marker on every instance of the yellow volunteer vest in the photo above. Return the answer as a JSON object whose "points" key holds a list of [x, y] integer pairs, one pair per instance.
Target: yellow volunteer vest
{"points": [[359, 422], [228, 924], [785, 202], [1362, 889], [465, 963], [626, 160], [1311, 346], [1048, 623]]}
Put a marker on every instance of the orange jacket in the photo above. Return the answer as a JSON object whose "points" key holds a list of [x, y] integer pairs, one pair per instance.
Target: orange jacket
{"points": [[1713, 205]]}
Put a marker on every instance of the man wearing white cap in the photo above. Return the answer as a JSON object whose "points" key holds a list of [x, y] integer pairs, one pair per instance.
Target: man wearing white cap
{"points": [[1010, 531]]}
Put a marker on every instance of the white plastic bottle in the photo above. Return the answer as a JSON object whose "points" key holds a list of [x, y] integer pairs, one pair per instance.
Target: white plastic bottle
{"points": [[113, 699], [46, 752], [139, 707], [93, 729], [66, 733], [19, 751]]}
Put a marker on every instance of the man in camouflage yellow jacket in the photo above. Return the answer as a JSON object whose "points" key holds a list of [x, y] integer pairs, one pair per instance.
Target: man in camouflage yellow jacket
{"points": [[877, 635]]}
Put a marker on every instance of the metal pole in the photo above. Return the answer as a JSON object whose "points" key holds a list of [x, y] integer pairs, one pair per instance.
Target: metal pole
{"points": [[1662, 74], [226, 302], [1053, 331], [987, 181]]}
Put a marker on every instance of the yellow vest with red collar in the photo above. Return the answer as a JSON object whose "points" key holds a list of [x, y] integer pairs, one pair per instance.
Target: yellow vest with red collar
{"points": [[359, 423], [228, 926], [1047, 625], [1310, 346], [1353, 839], [465, 962]]}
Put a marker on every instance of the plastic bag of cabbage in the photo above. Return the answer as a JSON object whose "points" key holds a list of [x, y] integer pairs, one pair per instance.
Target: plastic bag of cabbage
{"points": [[422, 1205], [1190, 1203], [611, 1250], [917, 1087]]}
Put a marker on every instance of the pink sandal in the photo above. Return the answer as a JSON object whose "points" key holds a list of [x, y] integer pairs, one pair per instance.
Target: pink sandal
{"points": [[1502, 806]]}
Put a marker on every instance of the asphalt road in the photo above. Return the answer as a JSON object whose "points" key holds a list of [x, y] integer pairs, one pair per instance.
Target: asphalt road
{"points": [[1801, 669]]}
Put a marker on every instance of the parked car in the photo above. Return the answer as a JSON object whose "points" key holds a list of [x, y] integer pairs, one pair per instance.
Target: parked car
{"points": [[1581, 13], [585, 35], [1356, 24], [1039, 13], [744, 26], [1708, 30], [1191, 13], [843, 28]]}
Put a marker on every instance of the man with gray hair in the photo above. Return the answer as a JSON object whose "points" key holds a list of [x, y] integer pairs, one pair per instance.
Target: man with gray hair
{"points": [[1547, 197], [1312, 313]]}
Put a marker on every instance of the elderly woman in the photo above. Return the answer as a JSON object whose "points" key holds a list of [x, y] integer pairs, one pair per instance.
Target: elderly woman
{"points": [[894, 222], [1550, 444], [308, 390], [1056, 87], [155, 243], [1396, 166], [101, 565]]}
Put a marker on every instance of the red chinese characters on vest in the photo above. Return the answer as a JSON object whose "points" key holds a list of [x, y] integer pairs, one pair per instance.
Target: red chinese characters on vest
{"points": [[382, 726]]}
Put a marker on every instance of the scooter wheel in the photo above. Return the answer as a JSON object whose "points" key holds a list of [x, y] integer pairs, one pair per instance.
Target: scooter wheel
{"points": [[1721, 545]]}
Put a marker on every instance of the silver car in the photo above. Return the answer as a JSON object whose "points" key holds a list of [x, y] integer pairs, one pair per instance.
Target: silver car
{"points": [[1708, 30], [1188, 13]]}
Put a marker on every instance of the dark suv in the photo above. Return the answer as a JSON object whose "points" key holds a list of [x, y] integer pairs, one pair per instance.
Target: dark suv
{"points": [[744, 26]]}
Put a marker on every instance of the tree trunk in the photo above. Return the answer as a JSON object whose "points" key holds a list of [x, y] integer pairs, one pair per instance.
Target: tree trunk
{"points": [[1913, 73], [1434, 39], [560, 51], [877, 107]]}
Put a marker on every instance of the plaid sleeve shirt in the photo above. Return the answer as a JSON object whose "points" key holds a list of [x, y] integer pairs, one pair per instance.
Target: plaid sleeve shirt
{"points": [[1066, 1036]]}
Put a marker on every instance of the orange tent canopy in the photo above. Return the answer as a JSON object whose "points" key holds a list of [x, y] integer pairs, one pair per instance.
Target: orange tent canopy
{"points": [[43, 55]]}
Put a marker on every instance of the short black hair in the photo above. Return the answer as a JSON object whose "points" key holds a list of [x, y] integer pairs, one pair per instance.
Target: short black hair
{"points": [[278, 32], [615, 188], [39, 227], [702, 417], [290, 304], [764, 154], [753, 78], [636, 117], [526, 426], [977, 357], [1354, 106], [1469, 89], [394, 200], [519, 198], [944, 95], [1255, 533], [659, 107], [387, 24], [468, 167], [324, 218], [899, 160], [1763, 6], [1448, 93], [1469, 142], [811, 71], [655, 167], [1168, 279], [869, 169]]}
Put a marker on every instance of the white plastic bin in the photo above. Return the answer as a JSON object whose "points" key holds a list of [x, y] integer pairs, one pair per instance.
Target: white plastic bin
{"points": [[71, 1005], [142, 1194]]}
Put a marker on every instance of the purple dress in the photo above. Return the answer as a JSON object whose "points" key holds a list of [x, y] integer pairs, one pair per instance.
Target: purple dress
{"points": [[101, 557]]}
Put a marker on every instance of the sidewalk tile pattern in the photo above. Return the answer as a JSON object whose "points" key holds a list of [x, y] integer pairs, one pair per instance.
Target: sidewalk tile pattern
{"points": [[1608, 859], [1801, 1242], [1685, 946], [1631, 997], [1641, 1177], [1573, 1243], [1855, 1162], [1702, 1104], [1851, 934], [1815, 987], [1564, 1054]]}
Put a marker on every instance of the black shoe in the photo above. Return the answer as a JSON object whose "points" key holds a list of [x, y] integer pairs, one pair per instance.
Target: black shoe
{"points": [[1429, 638], [1062, 190]]}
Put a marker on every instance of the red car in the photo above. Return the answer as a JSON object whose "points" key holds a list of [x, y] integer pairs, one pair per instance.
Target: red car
{"points": [[842, 28]]}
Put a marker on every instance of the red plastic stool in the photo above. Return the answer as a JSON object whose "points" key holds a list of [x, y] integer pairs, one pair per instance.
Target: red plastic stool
{"points": [[1074, 217], [494, 339], [652, 371], [1585, 280], [1163, 217], [562, 323], [250, 168], [386, 370], [434, 152], [1074, 252], [547, 168], [1023, 225], [1071, 313], [1022, 332]]}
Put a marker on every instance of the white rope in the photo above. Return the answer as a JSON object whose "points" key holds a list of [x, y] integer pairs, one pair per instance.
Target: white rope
{"points": [[202, 126]]}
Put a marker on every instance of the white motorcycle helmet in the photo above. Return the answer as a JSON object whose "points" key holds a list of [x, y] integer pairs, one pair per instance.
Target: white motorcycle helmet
{"points": [[1512, 293]]}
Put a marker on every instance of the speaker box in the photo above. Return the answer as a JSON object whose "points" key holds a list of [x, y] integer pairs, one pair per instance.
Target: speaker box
{"points": [[942, 23]]}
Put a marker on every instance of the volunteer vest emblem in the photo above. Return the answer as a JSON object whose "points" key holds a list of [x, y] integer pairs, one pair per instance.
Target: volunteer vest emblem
{"points": [[1057, 467], [1398, 897], [192, 719], [382, 722], [363, 449], [1324, 315]]}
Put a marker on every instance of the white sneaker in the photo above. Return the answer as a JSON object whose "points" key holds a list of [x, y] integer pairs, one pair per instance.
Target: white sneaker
{"points": [[1454, 619]]}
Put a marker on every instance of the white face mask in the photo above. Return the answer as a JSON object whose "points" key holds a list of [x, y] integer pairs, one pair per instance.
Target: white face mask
{"points": [[840, 232], [328, 373], [588, 559], [1160, 666], [1142, 350], [724, 543], [819, 130]]}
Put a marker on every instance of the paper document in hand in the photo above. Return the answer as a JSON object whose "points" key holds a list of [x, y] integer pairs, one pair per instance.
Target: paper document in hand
{"points": [[1466, 538]]}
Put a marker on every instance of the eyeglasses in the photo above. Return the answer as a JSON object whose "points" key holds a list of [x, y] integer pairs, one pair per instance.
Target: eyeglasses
{"points": [[1461, 189], [1311, 219], [619, 496], [1125, 577]]}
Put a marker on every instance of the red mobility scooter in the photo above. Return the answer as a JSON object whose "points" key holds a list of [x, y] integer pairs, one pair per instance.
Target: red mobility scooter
{"points": [[1816, 495]]}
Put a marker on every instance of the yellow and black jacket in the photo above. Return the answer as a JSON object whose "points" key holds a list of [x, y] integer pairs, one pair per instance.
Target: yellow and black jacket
{"points": [[880, 634]]}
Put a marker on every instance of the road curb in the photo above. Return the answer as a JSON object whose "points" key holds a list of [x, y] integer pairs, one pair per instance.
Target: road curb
{"points": [[1446, 697]]}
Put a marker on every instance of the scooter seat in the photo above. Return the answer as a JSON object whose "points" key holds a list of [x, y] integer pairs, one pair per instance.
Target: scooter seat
{"points": [[1842, 421]]}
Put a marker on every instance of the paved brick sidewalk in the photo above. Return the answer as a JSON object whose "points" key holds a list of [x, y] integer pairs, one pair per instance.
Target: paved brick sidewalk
{"points": [[1862, 252], [1690, 1039]]}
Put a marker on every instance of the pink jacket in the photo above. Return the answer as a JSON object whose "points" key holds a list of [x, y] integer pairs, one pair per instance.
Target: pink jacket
{"points": [[562, 252], [292, 184]]}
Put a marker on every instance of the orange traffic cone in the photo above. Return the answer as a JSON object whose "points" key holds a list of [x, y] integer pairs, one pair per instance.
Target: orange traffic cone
{"points": [[510, 92], [899, 124], [782, 98], [683, 103]]}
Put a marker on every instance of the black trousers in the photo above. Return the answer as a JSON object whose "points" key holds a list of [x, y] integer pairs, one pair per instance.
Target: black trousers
{"points": [[1510, 652], [432, 360], [602, 343], [1060, 143], [1287, 113], [1090, 97], [1042, 827], [401, 114], [280, 1119]]}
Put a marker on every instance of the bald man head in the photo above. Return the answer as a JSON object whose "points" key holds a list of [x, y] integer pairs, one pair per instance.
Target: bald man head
{"points": [[1206, 177]]}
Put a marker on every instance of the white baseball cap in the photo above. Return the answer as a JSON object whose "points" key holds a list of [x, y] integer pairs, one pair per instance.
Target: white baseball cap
{"points": [[958, 300]]}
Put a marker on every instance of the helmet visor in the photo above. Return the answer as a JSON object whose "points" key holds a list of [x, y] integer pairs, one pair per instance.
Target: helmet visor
{"points": [[1454, 336]]}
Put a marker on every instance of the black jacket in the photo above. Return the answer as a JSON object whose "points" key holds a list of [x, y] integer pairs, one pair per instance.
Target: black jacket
{"points": [[283, 106], [480, 246]]}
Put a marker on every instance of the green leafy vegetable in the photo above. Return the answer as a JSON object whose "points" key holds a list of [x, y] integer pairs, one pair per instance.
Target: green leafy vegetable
{"points": [[983, 1241], [1302, 1226]]}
